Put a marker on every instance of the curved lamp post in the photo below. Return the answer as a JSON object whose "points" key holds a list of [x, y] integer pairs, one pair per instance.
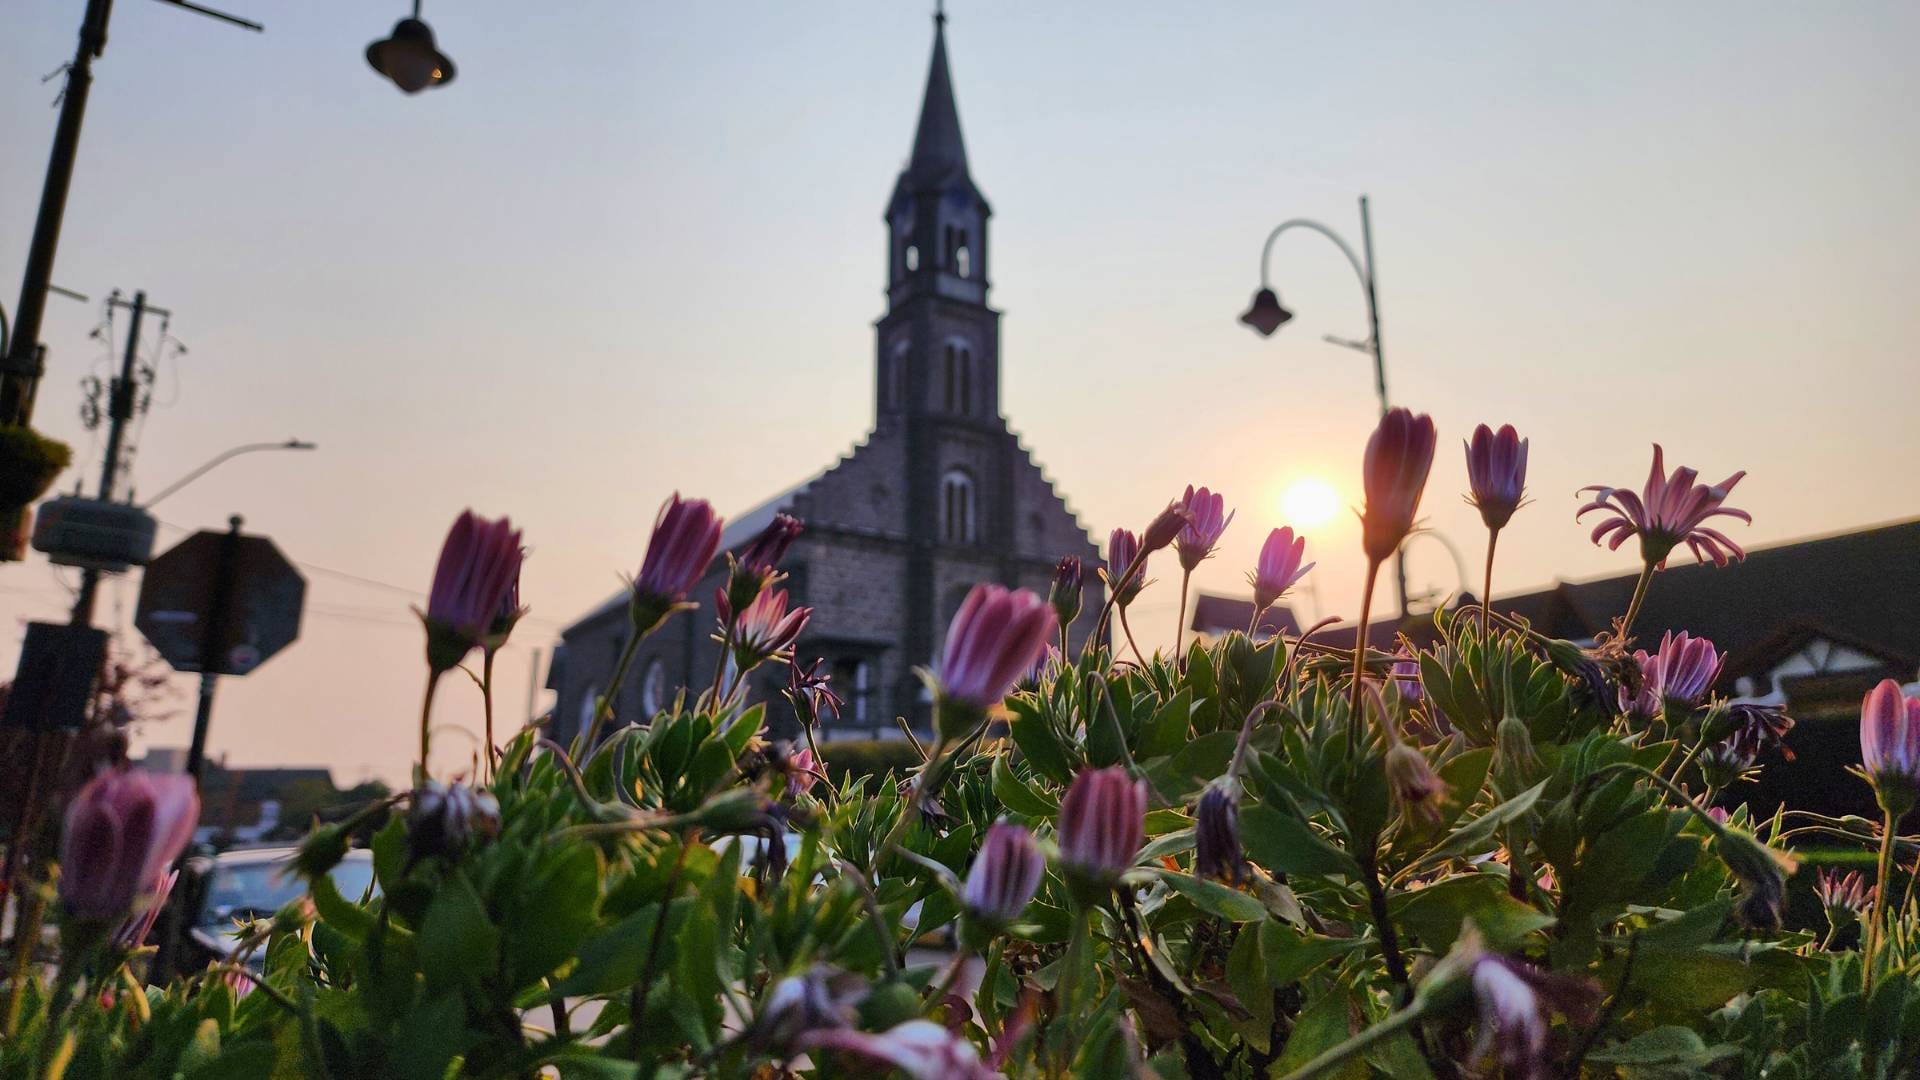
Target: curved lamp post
{"points": [[223, 456], [409, 57], [1266, 315]]}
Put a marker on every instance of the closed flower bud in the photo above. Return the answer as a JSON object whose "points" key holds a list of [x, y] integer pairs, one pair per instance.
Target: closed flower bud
{"points": [[1514, 1000], [1683, 672], [1724, 764], [1207, 518], [1762, 872], [1496, 473], [995, 638], [1890, 745], [1399, 456], [1063, 595], [759, 563], [1005, 875], [1514, 756], [821, 998], [686, 534], [1216, 835], [1165, 528], [321, 851], [1279, 567], [445, 818], [1122, 547], [123, 829], [478, 572], [1415, 787], [1102, 825]]}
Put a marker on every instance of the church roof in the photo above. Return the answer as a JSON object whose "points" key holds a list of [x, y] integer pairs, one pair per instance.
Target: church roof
{"points": [[937, 147]]}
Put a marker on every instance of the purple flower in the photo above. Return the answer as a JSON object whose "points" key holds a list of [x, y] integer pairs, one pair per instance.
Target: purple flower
{"points": [[1405, 674], [1890, 743], [1005, 875], [477, 575], [1756, 728], [1063, 595], [1207, 518], [123, 829], [819, 999], [1669, 511], [994, 639], [1846, 897], [1394, 471], [1679, 676], [1513, 1000], [1165, 528], [1496, 473], [1216, 835], [686, 534], [758, 565], [920, 1049], [445, 818], [810, 692], [1102, 824], [1415, 787], [766, 630], [1122, 547], [1279, 567]]}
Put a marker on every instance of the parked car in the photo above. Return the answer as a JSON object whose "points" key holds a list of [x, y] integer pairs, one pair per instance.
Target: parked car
{"points": [[253, 883]]}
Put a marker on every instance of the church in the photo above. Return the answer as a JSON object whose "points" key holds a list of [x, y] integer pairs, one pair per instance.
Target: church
{"points": [[939, 495]]}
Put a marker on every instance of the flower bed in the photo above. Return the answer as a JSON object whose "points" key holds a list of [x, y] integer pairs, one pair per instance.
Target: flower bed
{"points": [[1501, 855]]}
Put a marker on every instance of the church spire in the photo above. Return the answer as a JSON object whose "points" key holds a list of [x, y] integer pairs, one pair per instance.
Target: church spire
{"points": [[937, 147]]}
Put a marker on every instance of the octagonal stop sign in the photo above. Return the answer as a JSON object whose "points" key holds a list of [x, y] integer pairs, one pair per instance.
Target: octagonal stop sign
{"points": [[220, 602]]}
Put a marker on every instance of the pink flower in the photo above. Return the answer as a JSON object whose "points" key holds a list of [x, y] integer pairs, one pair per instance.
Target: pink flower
{"points": [[920, 1049], [1496, 473], [686, 534], [1207, 518], [1005, 875], [124, 828], [1279, 567], [1405, 675], [1399, 456], [994, 639], [1122, 547], [1678, 677], [1890, 743], [766, 629], [1165, 528], [1102, 824], [1063, 595], [1845, 897], [1513, 999], [803, 770], [1671, 510], [810, 692], [478, 572]]}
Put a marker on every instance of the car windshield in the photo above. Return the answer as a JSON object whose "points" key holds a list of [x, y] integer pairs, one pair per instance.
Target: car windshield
{"points": [[263, 887]]}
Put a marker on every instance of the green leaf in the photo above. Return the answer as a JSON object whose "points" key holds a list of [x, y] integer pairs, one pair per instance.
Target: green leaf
{"points": [[612, 959], [1290, 955], [1475, 835], [458, 943], [1214, 898], [1437, 912], [1284, 844], [1167, 732], [1017, 796], [390, 851], [1037, 741], [246, 1061], [349, 919], [1663, 1046], [553, 915], [1690, 929], [1322, 1026]]}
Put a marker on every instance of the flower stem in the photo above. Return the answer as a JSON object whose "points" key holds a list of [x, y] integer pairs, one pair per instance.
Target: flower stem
{"points": [[1382, 922], [486, 698], [1365, 1040], [1360, 657], [1639, 597], [1486, 593], [600, 711], [1134, 570], [1180, 628], [426, 721], [637, 1010], [1882, 884], [1131, 644]]}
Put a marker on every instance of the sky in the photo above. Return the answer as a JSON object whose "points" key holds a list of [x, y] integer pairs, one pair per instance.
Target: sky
{"points": [[637, 247]]}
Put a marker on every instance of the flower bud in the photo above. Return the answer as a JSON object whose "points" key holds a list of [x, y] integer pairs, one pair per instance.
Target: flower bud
{"points": [[759, 563], [994, 638], [1514, 757], [686, 534], [1399, 456], [1102, 825], [1005, 875], [1496, 473], [445, 818], [1415, 787], [123, 829], [1063, 595], [478, 572], [1216, 835], [1207, 519], [322, 850], [1845, 897], [1122, 548], [1890, 746], [1165, 528], [822, 998], [1279, 567]]}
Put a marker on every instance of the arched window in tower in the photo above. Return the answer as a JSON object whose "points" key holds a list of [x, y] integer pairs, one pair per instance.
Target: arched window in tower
{"points": [[962, 257], [957, 370], [957, 514], [913, 258]]}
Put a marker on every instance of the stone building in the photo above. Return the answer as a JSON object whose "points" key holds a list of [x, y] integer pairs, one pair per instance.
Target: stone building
{"points": [[939, 495]]}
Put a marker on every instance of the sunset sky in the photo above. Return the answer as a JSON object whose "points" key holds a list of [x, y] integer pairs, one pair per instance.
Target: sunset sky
{"points": [[637, 247]]}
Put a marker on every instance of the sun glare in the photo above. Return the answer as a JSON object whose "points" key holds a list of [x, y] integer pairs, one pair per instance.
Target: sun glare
{"points": [[1309, 503]]}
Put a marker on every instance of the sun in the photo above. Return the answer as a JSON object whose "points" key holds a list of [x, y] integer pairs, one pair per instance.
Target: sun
{"points": [[1309, 503]]}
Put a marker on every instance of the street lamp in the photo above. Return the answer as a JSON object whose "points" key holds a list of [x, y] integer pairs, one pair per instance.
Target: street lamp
{"points": [[249, 448], [1266, 315], [408, 56]]}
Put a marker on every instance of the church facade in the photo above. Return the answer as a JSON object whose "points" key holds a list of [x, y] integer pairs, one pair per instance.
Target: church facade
{"points": [[939, 495]]}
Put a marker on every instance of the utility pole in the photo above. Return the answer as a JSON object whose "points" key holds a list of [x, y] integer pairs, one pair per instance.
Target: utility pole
{"points": [[121, 396], [21, 368]]}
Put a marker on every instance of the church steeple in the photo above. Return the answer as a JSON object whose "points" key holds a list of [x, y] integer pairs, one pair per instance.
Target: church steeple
{"points": [[937, 218]]}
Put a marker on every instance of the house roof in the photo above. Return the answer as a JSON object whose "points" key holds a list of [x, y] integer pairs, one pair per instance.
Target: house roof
{"points": [[1219, 614]]}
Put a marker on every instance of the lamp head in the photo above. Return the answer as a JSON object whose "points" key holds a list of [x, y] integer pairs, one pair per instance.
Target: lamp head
{"points": [[1265, 314], [409, 58]]}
